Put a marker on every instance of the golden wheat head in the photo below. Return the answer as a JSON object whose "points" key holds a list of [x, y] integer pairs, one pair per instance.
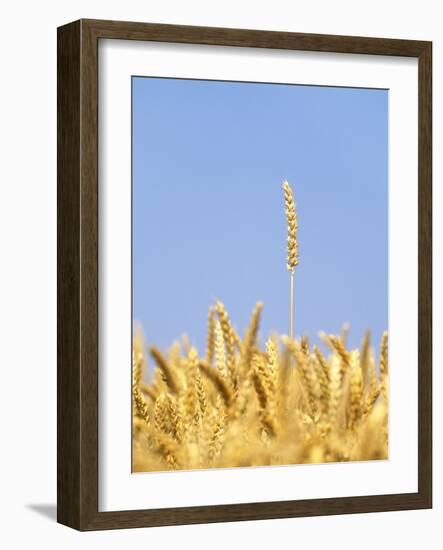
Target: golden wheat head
{"points": [[291, 217]]}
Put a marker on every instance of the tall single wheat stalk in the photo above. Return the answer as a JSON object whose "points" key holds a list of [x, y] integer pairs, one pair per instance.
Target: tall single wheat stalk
{"points": [[292, 245]]}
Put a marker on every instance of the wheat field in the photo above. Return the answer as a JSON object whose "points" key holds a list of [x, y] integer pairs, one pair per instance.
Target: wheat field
{"points": [[240, 405], [244, 405]]}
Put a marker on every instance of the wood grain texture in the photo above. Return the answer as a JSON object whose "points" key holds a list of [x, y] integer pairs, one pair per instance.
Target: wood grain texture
{"points": [[254, 38], [425, 273], [69, 402], [77, 227]]}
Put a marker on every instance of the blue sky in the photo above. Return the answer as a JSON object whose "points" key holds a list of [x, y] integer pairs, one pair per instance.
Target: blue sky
{"points": [[208, 217]]}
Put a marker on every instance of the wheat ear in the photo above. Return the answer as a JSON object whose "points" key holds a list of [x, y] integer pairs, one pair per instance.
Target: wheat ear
{"points": [[228, 336], [210, 337], [251, 335], [384, 366], [166, 370], [218, 381], [292, 245]]}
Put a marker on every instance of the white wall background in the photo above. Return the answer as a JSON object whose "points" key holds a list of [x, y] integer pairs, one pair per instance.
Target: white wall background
{"points": [[28, 269]]}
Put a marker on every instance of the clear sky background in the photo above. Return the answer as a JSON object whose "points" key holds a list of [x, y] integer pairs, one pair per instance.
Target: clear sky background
{"points": [[208, 212]]}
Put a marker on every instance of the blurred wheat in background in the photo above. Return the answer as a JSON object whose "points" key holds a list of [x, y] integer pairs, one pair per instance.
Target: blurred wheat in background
{"points": [[242, 405]]}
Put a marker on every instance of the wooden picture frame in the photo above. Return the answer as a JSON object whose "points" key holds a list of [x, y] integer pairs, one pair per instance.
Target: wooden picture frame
{"points": [[77, 453]]}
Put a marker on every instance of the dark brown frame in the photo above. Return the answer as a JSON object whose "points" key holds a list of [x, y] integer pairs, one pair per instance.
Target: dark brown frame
{"points": [[77, 428]]}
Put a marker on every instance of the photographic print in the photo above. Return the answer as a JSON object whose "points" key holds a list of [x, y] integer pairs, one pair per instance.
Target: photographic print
{"points": [[260, 274], [244, 242]]}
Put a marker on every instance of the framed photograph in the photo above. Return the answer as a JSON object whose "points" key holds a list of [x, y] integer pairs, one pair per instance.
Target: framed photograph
{"points": [[244, 274]]}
